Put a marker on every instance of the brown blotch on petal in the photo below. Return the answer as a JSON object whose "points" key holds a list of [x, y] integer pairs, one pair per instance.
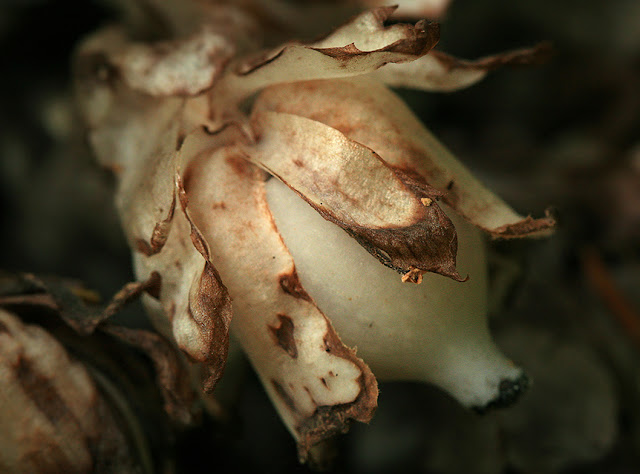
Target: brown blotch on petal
{"points": [[330, 420], [421, 38], [290, 284], [239, 165], [430, 245], [211, 309], [425, 36], [283, 335]]}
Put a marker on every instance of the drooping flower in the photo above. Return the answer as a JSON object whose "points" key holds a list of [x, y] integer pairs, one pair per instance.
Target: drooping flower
{"points": [[283, 189]]}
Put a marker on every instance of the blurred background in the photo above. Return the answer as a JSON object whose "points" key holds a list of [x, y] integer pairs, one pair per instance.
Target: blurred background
{"points": [[563, 135]]}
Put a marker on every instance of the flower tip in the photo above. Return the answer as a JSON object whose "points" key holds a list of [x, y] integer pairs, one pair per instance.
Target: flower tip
{"points": [[509, 392]]}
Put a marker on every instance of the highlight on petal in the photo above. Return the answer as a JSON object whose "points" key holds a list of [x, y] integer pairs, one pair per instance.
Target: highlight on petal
{"points": [[399, 138], [361, 46], [316, 383], [438, 71], [391, 214]]}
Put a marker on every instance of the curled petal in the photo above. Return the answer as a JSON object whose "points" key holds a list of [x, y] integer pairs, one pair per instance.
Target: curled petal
{"points": [[403, 142], [441, 72], [192, 294], [361, 46], [392, 214], [316, 383]]}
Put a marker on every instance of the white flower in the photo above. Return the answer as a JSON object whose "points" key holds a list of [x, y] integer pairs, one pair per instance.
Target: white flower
{"points": [[204, 130]]}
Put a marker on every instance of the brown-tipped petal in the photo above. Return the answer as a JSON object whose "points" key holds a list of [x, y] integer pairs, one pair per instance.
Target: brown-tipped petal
{"points": [[192, 296], [359, 47], [404, 143], [142, 138], [316, 383], [350, 185], [441, 72]]}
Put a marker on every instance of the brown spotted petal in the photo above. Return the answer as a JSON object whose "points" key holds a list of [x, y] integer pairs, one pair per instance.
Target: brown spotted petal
{"points": [[359, 47], [397, 136], [390, 213], [52, 416], [142, 139], [438, 71], [192, 294], [316, 383]]}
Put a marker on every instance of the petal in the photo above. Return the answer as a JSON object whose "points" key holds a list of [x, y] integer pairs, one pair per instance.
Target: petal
{"points": [[401, 141], [183, 66], [435, 332], [392, 214], [192, 295], [142, 139], [359, 47], [441, 72], [316, 383]]}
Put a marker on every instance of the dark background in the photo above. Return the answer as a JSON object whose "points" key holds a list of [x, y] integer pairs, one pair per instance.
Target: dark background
{"points": [[562, 135]]}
